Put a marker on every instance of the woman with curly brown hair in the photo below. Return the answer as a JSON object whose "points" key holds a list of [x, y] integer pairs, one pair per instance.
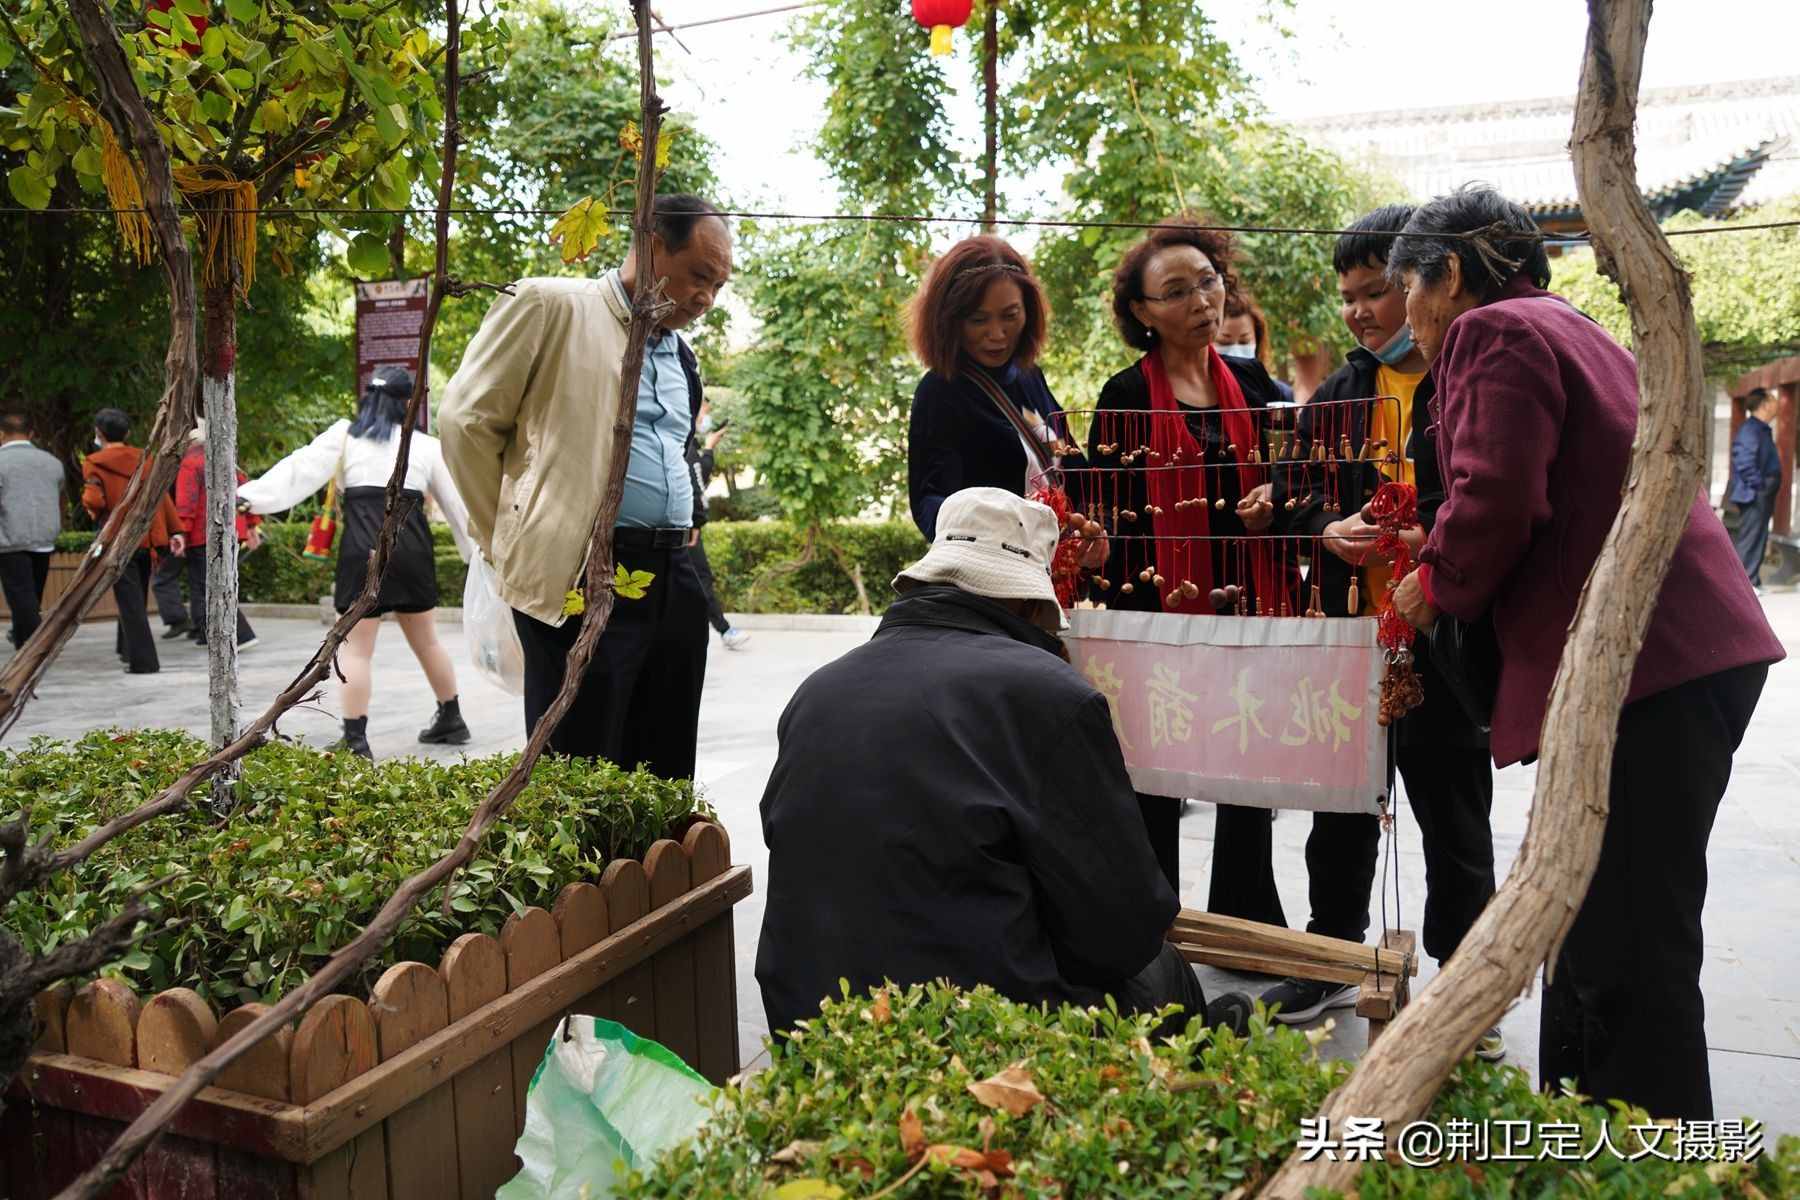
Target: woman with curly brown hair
{"points": [[982, 416], [1183, 402]]}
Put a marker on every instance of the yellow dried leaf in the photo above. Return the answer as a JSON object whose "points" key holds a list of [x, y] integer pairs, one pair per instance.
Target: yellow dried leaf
{"points": [[580, 229], [574, 603], [1012, 1090], [912, 1134]]}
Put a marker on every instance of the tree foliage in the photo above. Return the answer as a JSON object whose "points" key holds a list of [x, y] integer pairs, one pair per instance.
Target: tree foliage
{"points": [[1745, 302], [1139, 108], [829, 378], [546, 133]]}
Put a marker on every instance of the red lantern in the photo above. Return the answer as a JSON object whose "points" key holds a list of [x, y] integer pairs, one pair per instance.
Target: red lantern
{"points": [[941, 16]]}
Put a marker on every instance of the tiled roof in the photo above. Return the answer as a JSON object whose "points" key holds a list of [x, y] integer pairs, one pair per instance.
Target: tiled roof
{"points": [[1725, 145]]}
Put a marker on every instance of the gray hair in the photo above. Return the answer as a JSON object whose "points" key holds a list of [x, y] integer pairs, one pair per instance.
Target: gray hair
{"points": [[1492, 238]]}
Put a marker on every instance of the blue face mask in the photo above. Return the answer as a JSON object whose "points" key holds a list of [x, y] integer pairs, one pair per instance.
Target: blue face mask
{"points": [[1238, 350], [1397, 347]]}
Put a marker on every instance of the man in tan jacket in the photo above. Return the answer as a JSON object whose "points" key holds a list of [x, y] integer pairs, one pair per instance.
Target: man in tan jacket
{"points": [[526, 427]]}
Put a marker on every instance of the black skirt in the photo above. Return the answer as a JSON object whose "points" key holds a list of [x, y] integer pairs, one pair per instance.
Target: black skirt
{"points": [[410, 585]]}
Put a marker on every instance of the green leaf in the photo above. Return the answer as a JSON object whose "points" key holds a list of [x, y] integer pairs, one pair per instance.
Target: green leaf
{"points": [[212, 43], [28, 187], [194, 8], [351, 12], [239, 78], [631, 585], [368, 256], [243, 10], [274, 116], [6, 53], [87, 161], [808, 1189]]}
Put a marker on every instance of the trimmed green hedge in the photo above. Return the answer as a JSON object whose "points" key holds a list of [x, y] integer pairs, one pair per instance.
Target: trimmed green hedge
{"points": [[318, 842], [744, 552], [1202, 1114], [741, 553]]}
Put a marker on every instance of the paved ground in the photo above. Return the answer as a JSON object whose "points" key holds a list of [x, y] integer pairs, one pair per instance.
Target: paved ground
{"points": [[1752, 977]]}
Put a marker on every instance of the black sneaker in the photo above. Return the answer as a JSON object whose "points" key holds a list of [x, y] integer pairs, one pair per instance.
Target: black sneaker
{"points": [[178, 629], [1492, 1046], [1297, 1001], [1232, 1011], [447, 727]]}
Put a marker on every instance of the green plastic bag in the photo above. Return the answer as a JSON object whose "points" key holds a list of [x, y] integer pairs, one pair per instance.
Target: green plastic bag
{"points": [[602, 1102]]}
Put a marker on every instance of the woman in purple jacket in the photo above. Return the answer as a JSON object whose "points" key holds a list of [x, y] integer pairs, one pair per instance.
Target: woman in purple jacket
{"points": [[1535, 412]]}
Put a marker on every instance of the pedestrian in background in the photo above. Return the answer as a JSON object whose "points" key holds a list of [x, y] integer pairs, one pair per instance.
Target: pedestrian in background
{"points": [[31, 483], [360, 455], [703, 462], [1755, 481], [190, 502], [105, 476]]}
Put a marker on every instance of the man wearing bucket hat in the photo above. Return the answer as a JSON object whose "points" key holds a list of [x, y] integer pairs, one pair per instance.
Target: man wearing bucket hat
{"points": [[949, 801]]}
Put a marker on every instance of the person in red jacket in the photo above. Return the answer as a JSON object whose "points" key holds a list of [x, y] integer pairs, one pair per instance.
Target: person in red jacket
{"points": [[190, 502], [1535, 413], [106, 473]]}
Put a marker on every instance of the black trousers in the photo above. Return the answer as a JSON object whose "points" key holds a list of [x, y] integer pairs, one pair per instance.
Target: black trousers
{"points": [[1340, 870], [22, 576], [715, 612], [1450, 793], [131, 593], [640, 702], [170, 570], [1623, 1016], [196, 577], [1751, 537], [1162, 822], [1168, 979]]}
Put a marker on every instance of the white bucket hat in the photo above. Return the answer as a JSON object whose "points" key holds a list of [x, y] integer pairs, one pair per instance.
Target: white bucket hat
{"points": [[992, 543]]}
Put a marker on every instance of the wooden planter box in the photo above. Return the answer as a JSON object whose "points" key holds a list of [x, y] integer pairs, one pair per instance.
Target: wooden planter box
{"points": [[63, 565], [418, 1094]]}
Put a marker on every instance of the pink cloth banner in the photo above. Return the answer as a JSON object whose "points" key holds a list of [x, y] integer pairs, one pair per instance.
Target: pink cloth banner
{"points": [[1274, 712]]}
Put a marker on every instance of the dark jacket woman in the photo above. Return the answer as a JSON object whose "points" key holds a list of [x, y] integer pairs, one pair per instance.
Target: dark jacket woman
{"points": [[959, 438], [1128, 392]]}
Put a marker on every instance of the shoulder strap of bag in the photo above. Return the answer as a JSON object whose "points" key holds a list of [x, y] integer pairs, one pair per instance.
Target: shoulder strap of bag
{"points": [[1010, 411]]}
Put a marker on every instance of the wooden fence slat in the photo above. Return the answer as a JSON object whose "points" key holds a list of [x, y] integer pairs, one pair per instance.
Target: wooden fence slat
{"points": [[175, 1029], [474, 974], [410, 1004], [357, 1170], [582, 919], [580, 912], [334, 1044], [252, 1177], [633, 992], [178, 1168], [27, 1131], [673, 967], [532, 947], [264, 1069], [51, 1008], [102, 1023], [715, 961]]}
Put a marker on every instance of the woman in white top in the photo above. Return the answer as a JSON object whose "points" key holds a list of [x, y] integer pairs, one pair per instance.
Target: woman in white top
{"points": [[360, 456]]}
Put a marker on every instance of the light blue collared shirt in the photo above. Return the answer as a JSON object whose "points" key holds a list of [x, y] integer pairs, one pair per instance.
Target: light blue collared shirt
{"points": [[659, 488]]}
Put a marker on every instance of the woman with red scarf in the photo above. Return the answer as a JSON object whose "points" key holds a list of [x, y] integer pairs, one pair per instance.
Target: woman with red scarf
{"points": [[1179, 424]]}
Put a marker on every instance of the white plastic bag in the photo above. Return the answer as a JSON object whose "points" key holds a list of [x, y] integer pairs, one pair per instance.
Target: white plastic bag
{"points": [[488, 628], [603, 1102]]}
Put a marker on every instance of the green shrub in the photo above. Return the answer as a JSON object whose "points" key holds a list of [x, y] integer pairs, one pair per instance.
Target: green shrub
{"points": [[742, 553], [1202, 1114], [317, 844]]}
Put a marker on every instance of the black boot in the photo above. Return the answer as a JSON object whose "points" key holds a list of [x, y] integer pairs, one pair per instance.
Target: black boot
{"points": [[447, 728], [356, 737]]}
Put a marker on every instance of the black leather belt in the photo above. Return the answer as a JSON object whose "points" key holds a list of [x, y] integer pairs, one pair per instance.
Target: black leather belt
{"points": [[649, 539]]}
